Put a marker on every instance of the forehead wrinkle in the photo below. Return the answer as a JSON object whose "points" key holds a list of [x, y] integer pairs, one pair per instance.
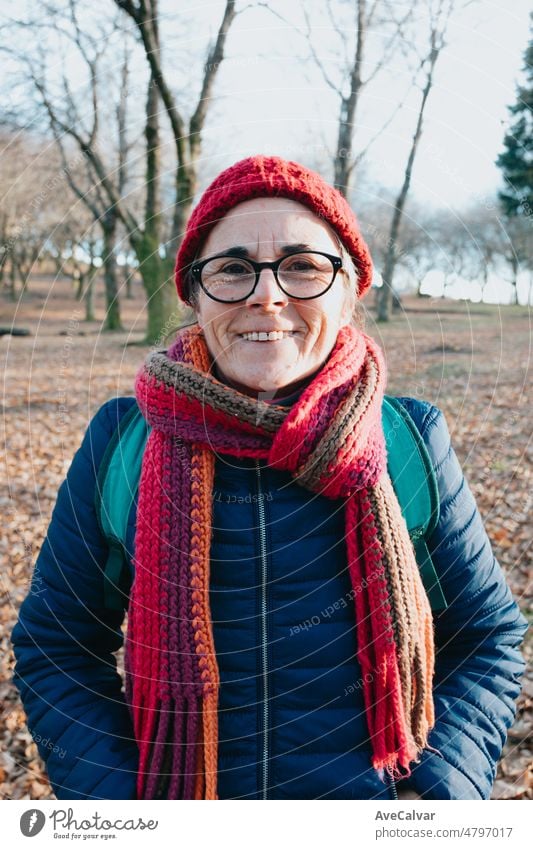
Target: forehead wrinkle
{"points": [[285, 226]]}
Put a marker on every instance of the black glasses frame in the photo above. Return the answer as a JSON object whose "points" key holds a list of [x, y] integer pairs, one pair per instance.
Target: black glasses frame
{"points": [[196, 273]]}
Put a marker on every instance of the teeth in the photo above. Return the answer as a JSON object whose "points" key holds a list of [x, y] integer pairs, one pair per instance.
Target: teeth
{"points": [[261, 336]]}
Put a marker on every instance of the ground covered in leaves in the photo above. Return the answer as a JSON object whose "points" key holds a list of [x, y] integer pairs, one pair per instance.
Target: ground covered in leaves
{"points": [[472, 360]]}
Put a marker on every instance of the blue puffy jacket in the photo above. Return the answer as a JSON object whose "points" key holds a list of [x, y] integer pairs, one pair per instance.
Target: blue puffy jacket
{"points": [[291, 714]]}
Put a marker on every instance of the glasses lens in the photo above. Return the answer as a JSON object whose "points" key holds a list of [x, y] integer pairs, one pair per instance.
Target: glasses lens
{"points": [[305, 275], [228, 278]]}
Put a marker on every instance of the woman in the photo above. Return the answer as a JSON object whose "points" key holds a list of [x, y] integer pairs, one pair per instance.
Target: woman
{"points": [[280, 642]]}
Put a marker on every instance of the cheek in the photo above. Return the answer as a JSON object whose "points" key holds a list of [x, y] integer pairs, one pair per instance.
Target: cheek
{"points": [[324, 321], [210, 319]]}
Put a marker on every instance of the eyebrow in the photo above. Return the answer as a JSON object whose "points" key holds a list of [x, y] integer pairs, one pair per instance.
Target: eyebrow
{"points": [[240, 250]]}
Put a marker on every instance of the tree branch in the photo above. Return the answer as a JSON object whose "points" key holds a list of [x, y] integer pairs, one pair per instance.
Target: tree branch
{"points": [[318, 61], [147, 27], [215, 58]]}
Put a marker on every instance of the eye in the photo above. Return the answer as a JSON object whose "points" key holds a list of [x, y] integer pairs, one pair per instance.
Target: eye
{"points": [[298, 263], [235, 267]]}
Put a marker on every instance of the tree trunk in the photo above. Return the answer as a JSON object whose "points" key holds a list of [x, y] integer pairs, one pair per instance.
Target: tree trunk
{"points": [[485, 281], [109, 229], [79, 277], [155, 271], [185, 188], [23, 277], [88, 294], [127, 275], [513, 262], [162, 301], [385, 293], [23, 269], [12, 279], [187, 140], [343, 155]]}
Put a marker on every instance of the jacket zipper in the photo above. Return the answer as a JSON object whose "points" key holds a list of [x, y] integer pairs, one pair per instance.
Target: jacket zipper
{"points": [[264, 663], [264, 657]]}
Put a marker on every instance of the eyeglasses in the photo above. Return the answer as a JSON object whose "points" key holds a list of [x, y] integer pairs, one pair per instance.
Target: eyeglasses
{"points": [[302, 275]]}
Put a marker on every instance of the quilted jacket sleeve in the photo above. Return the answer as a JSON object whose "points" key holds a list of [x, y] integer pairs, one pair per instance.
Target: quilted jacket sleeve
{"points": [[64, 641], [478, 661]]}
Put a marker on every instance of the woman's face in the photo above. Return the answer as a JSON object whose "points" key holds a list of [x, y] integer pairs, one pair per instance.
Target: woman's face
{"points": [[267, 228]]}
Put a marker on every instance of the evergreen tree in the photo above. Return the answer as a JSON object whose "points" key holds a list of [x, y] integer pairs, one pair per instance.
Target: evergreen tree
{"points": [[516, 161]]}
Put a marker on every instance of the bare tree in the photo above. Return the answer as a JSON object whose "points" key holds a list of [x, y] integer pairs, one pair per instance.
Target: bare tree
{"points": [[187, 135], [439, 14], [63, 111], [33, 202], [154, 256], [357, 72], [517, 250], [72, 246]]}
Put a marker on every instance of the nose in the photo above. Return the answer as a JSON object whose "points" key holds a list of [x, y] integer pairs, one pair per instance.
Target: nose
{"points": [[267, 292]]}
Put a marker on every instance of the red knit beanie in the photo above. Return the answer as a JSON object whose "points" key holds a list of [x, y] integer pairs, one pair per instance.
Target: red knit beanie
{"points": [[270, 176]]}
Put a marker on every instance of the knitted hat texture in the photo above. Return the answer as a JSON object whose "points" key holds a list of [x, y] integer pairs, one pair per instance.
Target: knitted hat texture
{"points": [[271, 176]]}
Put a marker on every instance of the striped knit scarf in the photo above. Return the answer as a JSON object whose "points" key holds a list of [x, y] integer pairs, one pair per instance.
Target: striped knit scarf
{"points": [[331, 441]]}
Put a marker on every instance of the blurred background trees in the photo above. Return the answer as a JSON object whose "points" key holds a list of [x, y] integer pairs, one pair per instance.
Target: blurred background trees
{"points": [[118, 114]]}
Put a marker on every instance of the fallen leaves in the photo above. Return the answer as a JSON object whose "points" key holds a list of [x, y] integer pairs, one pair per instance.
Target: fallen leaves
{"points": [[473, 366]]}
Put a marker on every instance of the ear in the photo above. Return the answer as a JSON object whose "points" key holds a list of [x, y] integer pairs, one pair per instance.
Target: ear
{"points": [[197, 310]]}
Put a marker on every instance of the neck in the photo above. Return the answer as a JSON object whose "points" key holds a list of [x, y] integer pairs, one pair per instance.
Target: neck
{"points": [[283, 393]]}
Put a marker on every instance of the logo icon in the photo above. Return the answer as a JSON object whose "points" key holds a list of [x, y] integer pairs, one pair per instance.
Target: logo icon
{"points": [[263, 396], [32, 822]]}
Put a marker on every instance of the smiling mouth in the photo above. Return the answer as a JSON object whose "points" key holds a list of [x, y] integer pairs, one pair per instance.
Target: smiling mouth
{"points": [[262, 336]]}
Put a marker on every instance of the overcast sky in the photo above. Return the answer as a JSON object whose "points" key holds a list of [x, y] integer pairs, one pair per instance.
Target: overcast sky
{"points": [[271, 98], [275, 103]]}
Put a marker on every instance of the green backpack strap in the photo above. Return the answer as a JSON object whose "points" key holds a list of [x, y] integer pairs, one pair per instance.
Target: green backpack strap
{"points": [[116, 487], [413, 478], [408, 464]]}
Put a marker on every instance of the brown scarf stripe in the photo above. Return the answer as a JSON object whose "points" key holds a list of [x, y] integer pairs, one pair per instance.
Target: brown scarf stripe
{"points": [[400, 585], [411, 602], [399, 603], [205, 388], [417, 721], [341, 428]]}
